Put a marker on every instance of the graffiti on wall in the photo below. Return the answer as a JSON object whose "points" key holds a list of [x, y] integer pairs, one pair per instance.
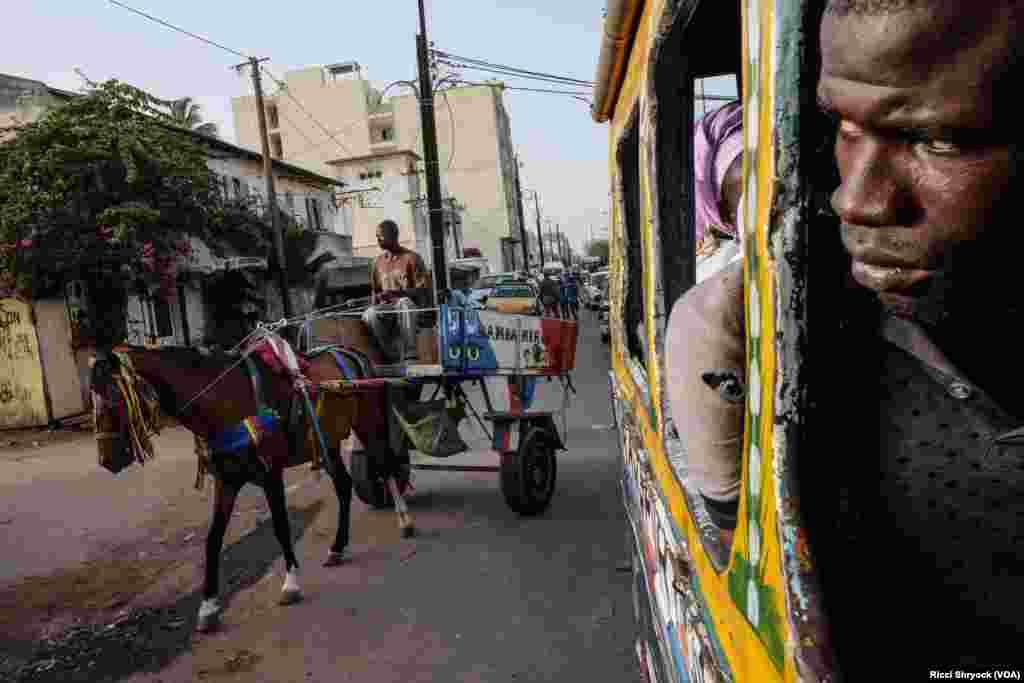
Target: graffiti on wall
{"points": [[15, 335], [22, 402]]}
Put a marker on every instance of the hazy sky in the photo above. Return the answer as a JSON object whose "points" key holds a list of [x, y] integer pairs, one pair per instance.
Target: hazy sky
{"points": [[564, 153]]}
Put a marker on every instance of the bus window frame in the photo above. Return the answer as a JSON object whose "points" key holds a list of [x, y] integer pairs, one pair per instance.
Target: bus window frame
{"points": [[630, 200], [673, 70]]}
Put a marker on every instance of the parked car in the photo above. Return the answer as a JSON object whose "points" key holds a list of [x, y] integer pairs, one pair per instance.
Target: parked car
{"points": [[520, 299]]}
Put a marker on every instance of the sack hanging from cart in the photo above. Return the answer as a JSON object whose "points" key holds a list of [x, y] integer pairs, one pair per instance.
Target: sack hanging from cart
{"points": [[433, 426]]}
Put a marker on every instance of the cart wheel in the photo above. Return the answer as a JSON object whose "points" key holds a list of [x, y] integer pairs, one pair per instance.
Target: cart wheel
{"points": [[368, 482], [528, 478]]}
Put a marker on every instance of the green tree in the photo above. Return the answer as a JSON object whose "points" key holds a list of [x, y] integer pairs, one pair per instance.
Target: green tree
{"points": [[598, 248], [188, 114], [105, 190]]}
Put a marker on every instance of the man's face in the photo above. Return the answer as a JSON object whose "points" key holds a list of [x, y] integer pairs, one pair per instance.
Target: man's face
{"points": [[924, 146], [384, 238]]}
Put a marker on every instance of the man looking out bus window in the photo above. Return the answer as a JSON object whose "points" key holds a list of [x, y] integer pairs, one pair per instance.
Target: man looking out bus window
{"points": [[928, 153]]}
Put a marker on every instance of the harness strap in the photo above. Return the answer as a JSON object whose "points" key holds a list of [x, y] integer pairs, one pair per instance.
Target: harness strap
{"points": [[342, 365], [248, 433], [251, 369]]}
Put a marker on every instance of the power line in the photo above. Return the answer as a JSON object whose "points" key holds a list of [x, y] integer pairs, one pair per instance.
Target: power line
{"points": [[513, 74], [279, 83], [510, 71], [493, 65], [556, 92], [178, 29]]}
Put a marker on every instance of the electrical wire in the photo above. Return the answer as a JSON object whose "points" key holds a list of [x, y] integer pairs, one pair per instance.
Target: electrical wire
{"points": [[503, 67], [513, 74], [179, 30], [576, 95], [279, 83]]}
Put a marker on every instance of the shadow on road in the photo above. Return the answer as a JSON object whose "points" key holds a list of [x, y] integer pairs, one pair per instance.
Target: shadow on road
{"points": [[144, 639]]}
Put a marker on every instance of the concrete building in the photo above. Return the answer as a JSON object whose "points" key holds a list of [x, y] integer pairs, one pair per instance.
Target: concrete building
{"points": [[377, 140]]}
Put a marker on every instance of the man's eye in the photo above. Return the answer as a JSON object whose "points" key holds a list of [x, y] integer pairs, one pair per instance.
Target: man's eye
{"points": [[849, 129], [942, 147]]}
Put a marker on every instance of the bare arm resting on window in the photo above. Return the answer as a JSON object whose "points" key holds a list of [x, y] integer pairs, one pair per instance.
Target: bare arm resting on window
{"points": [[705, 360]]}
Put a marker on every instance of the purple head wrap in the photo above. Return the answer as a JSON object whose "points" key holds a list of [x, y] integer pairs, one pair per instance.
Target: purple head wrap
{"points": [[717, 142]]}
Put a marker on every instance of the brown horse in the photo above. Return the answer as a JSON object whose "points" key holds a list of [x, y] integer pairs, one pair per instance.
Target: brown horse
{"points": [[240, 409]]}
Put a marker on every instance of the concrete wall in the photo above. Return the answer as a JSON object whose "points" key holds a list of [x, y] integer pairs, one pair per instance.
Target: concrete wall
{"points": [[398, 187], [475, 160], [341, 106], [63, 381]]}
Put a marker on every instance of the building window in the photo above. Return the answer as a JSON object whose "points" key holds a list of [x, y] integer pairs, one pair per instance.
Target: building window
{"points": [[387, 134], [272, 120], [276, 148], [633, 315], [313, 213], [162, 317], [236, 187]]}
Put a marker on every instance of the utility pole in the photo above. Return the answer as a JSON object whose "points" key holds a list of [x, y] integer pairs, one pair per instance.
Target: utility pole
{"points": [[268, 176], [522, 220], [430, 163], [540, 236]]}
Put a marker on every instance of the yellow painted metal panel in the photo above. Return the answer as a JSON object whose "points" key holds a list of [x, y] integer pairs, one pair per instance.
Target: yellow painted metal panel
{"points": [[746, 602]]}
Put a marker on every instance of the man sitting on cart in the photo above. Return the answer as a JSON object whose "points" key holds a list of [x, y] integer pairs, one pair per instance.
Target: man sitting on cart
{"points": [[398, 282]]}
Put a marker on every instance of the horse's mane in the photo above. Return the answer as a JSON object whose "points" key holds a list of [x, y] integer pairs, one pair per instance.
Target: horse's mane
{"points": [[190, 357]]}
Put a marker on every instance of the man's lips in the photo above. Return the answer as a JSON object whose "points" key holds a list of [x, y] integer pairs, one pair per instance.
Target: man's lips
{"points": [[888, 278]]}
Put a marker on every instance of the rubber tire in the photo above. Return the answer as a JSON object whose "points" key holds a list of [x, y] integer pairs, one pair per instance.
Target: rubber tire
{"points": [[605, 338], [516, 474], [368, 485]]}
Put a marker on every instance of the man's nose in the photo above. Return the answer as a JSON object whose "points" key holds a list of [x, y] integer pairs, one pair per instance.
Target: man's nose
{"points": [[872, 191]]}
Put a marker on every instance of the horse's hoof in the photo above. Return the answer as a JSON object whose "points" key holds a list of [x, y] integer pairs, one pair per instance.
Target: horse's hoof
{"points": [[209, 616], [334, 559], [291, 593], [408, 531], [290, 597]]}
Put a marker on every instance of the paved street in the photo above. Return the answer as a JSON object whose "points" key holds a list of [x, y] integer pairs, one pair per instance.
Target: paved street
{"points": [[101, 574]]}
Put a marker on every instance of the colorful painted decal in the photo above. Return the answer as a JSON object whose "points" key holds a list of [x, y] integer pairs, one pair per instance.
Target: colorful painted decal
{"points": [[486, 342], [686, 640]]}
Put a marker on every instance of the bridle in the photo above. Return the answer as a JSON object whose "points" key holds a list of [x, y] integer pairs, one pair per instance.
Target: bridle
{"points": [[139, 407]]}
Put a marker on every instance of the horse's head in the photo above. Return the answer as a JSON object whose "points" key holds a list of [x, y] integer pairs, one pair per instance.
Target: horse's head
{"points": [[125, 411]]}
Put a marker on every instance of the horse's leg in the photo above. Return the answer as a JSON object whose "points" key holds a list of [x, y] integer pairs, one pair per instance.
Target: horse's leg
{"points": [[343, 488], [225, 494], [404, 520], [274, 490]]}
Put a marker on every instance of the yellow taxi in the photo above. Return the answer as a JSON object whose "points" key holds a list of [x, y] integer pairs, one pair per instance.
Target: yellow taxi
{"points": [[519, 298]]}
